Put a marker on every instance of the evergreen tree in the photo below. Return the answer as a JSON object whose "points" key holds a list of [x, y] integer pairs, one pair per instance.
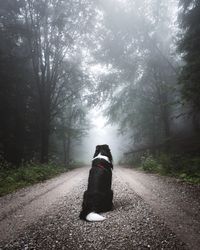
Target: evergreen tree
{"points": [[143, 75], [16, 92], [189, 46]]}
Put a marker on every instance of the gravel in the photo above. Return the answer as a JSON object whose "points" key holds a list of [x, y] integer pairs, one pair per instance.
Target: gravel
{"points": [[176, 202], [131, 225]]}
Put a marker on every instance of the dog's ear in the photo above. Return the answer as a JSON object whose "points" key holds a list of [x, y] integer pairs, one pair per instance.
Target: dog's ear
{"points": [[97, 151], [106, 147], [107, 150]]}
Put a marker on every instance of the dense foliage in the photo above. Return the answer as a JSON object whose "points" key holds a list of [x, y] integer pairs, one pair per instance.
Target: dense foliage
{"points": [[25, 175], [189, 46], [142, 86], [149, 82], [41, 77]]}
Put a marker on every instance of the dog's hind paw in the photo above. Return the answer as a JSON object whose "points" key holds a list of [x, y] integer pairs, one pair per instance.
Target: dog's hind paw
{"points": [[94, 217]]}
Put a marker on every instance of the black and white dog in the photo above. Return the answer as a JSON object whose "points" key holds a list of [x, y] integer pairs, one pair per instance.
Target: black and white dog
{"points": [[98, 196]]}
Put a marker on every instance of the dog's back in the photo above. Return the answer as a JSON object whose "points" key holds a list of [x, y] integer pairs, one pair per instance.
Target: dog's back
{"points": [[100, 176], [98, 196]]}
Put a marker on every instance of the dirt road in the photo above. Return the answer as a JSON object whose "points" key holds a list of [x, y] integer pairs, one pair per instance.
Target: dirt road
{"points": [[150, 212]]}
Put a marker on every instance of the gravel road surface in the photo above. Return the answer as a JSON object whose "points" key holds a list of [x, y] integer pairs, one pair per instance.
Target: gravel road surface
{"points": [[150, 212]]}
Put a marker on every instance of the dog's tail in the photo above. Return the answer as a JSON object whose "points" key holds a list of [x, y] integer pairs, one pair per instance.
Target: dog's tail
{"points": [[94, 217], [90, 216]]}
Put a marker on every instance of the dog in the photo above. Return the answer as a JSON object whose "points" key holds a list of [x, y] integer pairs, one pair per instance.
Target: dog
{"points": [[99, 195]]}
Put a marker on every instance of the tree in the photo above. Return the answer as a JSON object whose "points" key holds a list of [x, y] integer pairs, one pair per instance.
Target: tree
{"points": [[54, 28], [138, 48], [189, 46], [71, 122], [39, 40], [16, 96]]}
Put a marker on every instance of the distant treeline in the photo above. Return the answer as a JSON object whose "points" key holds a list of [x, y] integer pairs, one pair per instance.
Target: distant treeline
{"points": [[41, 79]]}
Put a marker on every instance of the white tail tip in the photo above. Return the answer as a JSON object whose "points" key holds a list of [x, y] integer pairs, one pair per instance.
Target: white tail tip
{"points": [[94, 217]]}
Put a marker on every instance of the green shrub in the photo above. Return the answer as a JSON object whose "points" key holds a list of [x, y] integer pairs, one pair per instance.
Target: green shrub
{"points": [[190, 170], [12, 179], [148, 163], [166, 166], [184, 167]]}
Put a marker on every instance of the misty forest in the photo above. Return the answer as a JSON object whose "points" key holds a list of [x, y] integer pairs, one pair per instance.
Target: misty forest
{"points": [[136, 60], [128, 68]]}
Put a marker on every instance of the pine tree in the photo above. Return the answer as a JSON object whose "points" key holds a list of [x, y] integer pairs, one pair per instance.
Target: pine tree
{"points": [[189, 46]]}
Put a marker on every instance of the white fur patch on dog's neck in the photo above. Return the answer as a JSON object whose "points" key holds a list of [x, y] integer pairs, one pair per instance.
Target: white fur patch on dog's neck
{"points": [[99, 156]]}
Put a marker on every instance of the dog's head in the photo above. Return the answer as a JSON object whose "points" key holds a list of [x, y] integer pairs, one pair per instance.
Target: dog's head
{"points": [[103, 150]]}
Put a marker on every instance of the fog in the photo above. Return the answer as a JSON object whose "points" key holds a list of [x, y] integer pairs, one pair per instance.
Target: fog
{"points": [[62, 61], [101, 132]]}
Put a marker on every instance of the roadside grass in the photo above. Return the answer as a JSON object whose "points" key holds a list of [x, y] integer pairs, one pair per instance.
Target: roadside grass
{"points": [[12, 179], [186, 168]]}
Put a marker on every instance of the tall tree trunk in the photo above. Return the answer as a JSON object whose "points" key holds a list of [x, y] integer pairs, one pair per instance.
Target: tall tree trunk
{"points": [[68, 150], [196, 121], [64, 151], [165, 118], [164, 111], [44, 145], [45, 133], [154, 135]]}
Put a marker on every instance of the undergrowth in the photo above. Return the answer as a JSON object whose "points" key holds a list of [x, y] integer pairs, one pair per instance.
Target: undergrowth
{"points": [[12, 179], [186, 167]]}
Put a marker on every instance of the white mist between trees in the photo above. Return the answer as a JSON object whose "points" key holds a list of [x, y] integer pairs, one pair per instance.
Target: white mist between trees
{"points": [[101, 133]]}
